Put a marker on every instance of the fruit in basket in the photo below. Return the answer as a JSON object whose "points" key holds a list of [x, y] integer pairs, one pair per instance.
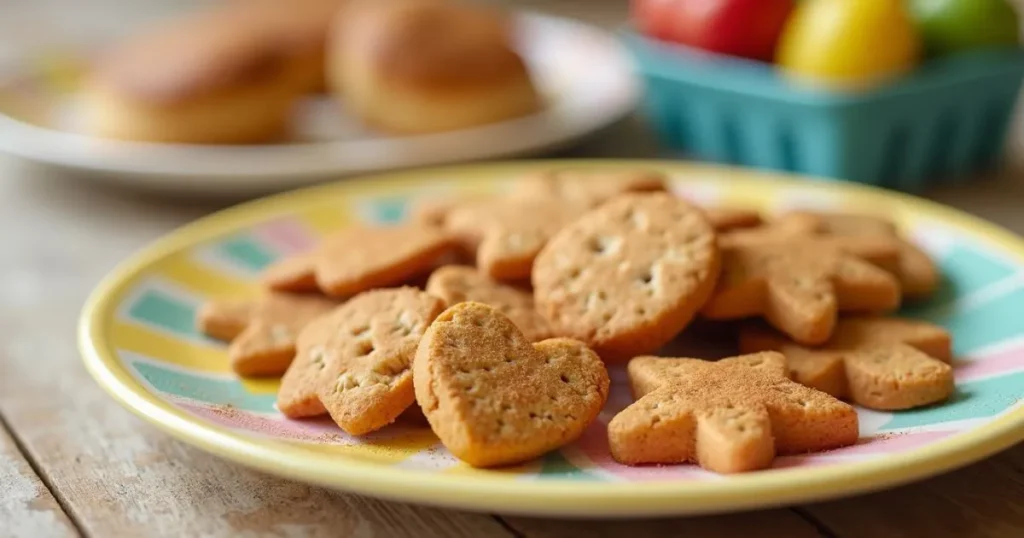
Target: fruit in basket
{"points": [[746, 28], [849, 43], [951, 26]]}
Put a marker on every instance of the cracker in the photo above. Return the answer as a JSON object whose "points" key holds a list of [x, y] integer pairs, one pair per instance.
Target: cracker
{"points": [[728, 416], [799, 286], [495, 399], [507, 234], [879, 363], [434, 211], [591, 187], [917, 273], [882, 251], [262, 331], [355, 363], [456, 284], [724, 219], [295, 274], [359, 259], [628, 276]]}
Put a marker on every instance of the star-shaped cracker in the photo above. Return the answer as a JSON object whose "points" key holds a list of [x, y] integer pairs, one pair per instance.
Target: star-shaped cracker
{"points": [[880, 363], [799, 285], [916, 271], [262, 331], [880, 250], [728, 416], [358, 259]]}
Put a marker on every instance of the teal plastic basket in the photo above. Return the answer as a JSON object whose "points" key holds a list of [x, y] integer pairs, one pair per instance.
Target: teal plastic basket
{"points": [[946, 120]]}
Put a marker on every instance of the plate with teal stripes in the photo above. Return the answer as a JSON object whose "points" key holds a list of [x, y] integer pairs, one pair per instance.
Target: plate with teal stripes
{"points": [[139, 341]]}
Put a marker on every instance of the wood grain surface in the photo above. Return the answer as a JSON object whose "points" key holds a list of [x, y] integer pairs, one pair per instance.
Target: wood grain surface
{"points": [[26, 506], [99, 471]]}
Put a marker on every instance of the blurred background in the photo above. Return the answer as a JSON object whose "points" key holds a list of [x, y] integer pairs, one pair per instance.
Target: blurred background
{"points": [[901, 112]]}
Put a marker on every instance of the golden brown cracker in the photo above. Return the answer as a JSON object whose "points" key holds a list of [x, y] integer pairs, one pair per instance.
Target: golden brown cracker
{"points": [[880, 363], [495, 399], [726, 416], [799, 286], [359, 259], [457, 283], [294, 274], [592, 187], [507, 234], [882, 251], [355, 363], [918, 274], [434, 211], [629, 275], [263, 330], [725, 219]]}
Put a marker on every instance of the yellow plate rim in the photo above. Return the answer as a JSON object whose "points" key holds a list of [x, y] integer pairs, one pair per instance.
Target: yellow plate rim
{"points": [[499, 493]]}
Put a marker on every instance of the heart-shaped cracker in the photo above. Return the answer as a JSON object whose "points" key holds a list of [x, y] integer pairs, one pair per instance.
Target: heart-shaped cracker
{"points": [[354, 363], [495, 399]]}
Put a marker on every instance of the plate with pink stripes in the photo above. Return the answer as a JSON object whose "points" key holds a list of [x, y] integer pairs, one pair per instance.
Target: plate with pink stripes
{"points": [[139, 341]]}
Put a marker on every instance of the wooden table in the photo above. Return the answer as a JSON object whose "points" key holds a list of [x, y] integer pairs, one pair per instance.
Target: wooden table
{"points": [[72, 462]]}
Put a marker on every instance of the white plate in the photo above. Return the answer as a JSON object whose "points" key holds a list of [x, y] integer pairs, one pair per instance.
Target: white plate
{"points": [[584, 73]]}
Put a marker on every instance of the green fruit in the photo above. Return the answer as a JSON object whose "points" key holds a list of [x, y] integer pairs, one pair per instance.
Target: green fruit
{"points": [[951, 26]]}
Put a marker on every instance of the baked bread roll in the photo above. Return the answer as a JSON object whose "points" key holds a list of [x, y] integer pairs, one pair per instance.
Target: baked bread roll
{"points": [[419, 66], [209, 78], [300, 28]]}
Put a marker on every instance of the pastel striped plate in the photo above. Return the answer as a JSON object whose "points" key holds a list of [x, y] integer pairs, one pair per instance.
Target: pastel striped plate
{"points": [[138, 339]]}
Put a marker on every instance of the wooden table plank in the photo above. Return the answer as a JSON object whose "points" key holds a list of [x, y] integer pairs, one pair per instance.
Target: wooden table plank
{"points": [[116, 475], [780, 522], [980, 501], [26, 507]]}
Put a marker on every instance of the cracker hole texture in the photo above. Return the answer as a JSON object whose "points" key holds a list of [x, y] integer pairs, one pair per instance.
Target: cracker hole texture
{"points": [[603, 245], [594, 299], [316, 356], [404, 323], [364, 348]]}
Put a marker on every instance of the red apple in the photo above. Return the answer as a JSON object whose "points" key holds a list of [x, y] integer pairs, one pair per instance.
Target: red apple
{"points": [[746, 28]]}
